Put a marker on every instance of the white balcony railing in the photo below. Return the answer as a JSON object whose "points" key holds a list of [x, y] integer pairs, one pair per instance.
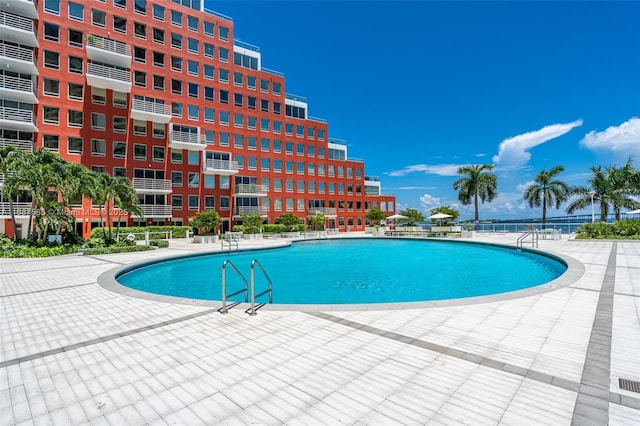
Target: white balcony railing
{"points": [[17, 52], [327, 211], [145, 110], [113, 46], [25, 8], [222, 167], [17, 22], [148, 185], [186, 140], [19, 209], [155, 210], [18, 144], [247, 188], [240, 210], [15, 83], [16, 114], [106, 77]]}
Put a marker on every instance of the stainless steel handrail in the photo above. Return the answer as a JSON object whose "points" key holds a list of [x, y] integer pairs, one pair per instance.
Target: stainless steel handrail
{"points": [[224, 309], [535, 236], [252, 310]]}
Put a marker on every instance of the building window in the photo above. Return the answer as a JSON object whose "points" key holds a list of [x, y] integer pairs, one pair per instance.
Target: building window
{"points": [[192, 67], [140, 78], [223, 76], [193, 90], [140, 30], [176, 18], [158, 35], [238, 141], [238, 120], [194, 203], [74, 145], [208, 28], [176, 41], [192, 45], [158, 12], [277, 88], [209, 115], [193, 158], [176, 202], [98, 18], [158, 82], [158, 59], [193, 23], [223, 33], [139, 128], [176, 86], [76, 11], [119, 172], [194, 112], [98, 96], [119, 124], [176, 109], [158, 130], [264, 86], [119, 99], [76, 38], [224, 97], [98, 147], [119, 150], [74, 118], [140, 6], [176, 178], [51, 32], [139, 152], [52, 6], [120, 24], [51, 115], [139, 54], [208, 50], [224, 118], [209, 202], [158, 153], [51, 142], [264, 105], [98, 121], [176, 158], [223, 54], [51, 87], [120, 3], [76, 91], [251, 122], [194, 179], [75, 65], [51, 59], [176, 64]]}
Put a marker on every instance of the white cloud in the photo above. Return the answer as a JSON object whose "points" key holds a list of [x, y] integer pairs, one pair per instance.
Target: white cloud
{"points": [[514, 151], [622, 140], [523, 186], [480, 155], [429, 202], [437, 169]]}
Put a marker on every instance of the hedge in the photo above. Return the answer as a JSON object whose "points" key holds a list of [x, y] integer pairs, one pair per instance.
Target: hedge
{"points": [[623, 229], [115, 249], [138, 231]]}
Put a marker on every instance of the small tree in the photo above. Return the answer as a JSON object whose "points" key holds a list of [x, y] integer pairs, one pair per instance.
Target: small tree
{"points": [[208, 220], [412, 216], [445, 210], [376, 216], [289, 220], [317, 221], [252, 223]]}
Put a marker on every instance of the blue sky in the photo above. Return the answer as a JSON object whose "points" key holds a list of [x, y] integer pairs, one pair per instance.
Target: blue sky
{"points": [[419, 88]]}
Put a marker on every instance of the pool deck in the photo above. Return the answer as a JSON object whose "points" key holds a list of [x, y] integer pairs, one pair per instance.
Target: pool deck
{"points": [[73, 352]]}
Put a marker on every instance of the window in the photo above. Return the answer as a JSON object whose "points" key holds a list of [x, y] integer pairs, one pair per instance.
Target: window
{"points": [[98, 147], [192, 45], [51, 87], [251, 82], [158, 130], [264, 105], [193, 23], [139, 127], [74, 118], [158, 35], [223, 54], [223, 76], [119, 150], [119, 172], [194, 112], [224, 118], [158, 12], [51, 32], [277, 87], [238, 141], [76, 11], [276, 108], [120, 3], [139, 152], [176, 178], [209, 115], [320, 134], [209, 93], [52, 6], [194, 179], [310, 133], [98, 18], [140, 78], [223, 33], [98, 121], [238, 99], [176, 63], [238, 120], [288, 146], [75, 65], [208, 28], [208, 50], [74, 145], [224, 97], [98, 169], [252, 143], [140, 30], [98, 96], [300, 130], [193, 158], [176, 158], [158, 82], [119, 124], [264, 86], [50, 142], [176, 18], [209, 200], [139, 54], [176, 41], [264, 164], [176, 202], [277, 145], [158, 153], [208, 71], [51, 59], [193, 90], [192, 67], [264, 124], [76, 91], [277, 127], [288, 129], [51, 115], [158, 59], [193, 202], [120, 24], [176, 109], [176, 86], [75, 38], [140, 6]]}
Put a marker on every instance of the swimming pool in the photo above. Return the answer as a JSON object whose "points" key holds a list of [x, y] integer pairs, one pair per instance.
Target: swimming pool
{"points": [[355, 271]]}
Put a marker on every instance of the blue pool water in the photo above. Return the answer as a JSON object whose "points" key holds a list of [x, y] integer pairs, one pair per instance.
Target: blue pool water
{"points": [[349, 271]]}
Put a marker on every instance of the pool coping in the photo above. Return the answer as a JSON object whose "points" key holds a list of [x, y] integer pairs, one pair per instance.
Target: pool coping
{"points": [[575, 270]]}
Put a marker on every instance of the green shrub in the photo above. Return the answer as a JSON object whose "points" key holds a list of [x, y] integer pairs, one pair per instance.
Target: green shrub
{"points": [[159, 243], [115, 249], [238, 228], [138, 231], [624, 229], [276, 228], [19, 250]]}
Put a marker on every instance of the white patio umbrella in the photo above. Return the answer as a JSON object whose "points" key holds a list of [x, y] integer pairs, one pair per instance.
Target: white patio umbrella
{"points": [[439, 216], [637, 211], [394, 218]]}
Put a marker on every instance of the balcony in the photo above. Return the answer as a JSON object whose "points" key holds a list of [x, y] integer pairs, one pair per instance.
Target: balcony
{"points": [[220, 167], [327, 211], [151, 186], [154, 211], [240, 210], [186, 140], [106, 77], [108, 51], [21, 145], [17, 29], [26, 8], [150, 111], [17, 89], [17, 119], [20, 209], [250, 190], [18, 59]]}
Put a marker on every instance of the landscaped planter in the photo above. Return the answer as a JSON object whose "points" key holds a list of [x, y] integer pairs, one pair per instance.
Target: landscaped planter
{"points": [[205, 239], [252, 236]]}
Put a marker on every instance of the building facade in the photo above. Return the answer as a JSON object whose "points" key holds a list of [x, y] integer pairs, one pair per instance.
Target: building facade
{"points": [[160, 92]]}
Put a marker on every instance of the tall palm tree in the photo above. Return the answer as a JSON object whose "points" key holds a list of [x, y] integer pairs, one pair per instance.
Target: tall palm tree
{"points": [[126, 200], [10, 163], [625, 183], [477, 185], [547, 191]]}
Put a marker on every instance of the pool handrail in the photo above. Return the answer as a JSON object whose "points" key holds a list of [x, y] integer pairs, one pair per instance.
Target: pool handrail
{"points": [[535, 236], [245, 290], [252, 310]]}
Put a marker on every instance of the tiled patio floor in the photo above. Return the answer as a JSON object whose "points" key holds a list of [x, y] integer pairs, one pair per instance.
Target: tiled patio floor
{"points": [[73, 352]]}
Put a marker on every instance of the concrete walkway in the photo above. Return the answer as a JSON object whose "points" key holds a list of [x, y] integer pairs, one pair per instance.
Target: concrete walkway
{"points": [[73, 352]]}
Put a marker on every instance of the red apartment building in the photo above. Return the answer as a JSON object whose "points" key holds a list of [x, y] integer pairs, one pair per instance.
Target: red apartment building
{"points": [[160, 92]]}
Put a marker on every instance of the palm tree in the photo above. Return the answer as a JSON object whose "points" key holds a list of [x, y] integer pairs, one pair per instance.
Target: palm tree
{"points": [[126, 200], [477, 185], [625, 183], [11, 161], [548, 191]]}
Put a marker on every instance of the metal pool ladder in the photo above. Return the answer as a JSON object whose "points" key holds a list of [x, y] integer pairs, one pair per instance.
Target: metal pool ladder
{"points": [[245, 289], [535, 236]]}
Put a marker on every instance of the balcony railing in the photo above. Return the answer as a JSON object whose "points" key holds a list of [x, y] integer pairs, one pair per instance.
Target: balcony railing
{"points": [[251, 189], [154, 210], [240, 210], [17, 22], [109, 51], [18, 144], [296, 98], [17, 29], [17, 52], [106, 77], [220, 167], [17, 89], [19, 209], [327, 211], [20, 7], [149, 185], [17, 119], [150, 111], [186, 140]]}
